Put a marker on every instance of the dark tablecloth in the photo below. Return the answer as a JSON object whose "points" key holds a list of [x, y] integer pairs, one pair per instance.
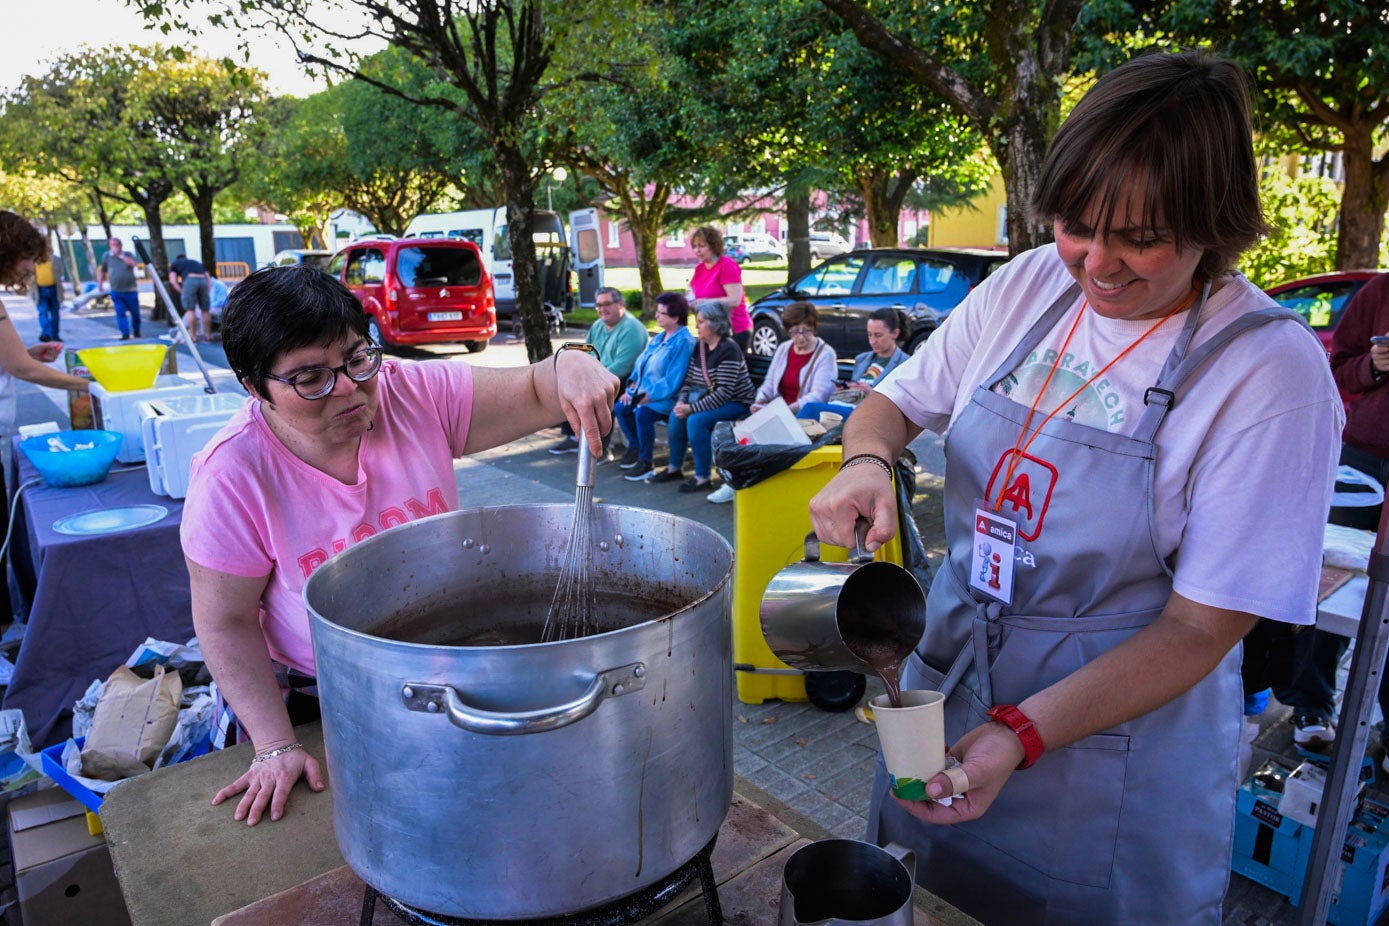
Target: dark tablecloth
{"points": [[91, 600]]}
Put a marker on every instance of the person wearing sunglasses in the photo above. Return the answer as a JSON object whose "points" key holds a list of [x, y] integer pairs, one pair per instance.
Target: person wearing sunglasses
{"points": [[335, 444]]}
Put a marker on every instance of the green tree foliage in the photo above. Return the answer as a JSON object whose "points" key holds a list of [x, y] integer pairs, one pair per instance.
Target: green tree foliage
{"points": [[1000, 65], [1322, 73], [207, 116], [294, 172], [1299, 211]]}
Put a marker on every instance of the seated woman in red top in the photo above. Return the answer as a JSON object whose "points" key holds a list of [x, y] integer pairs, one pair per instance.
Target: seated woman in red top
{"points": [[804, 368]]}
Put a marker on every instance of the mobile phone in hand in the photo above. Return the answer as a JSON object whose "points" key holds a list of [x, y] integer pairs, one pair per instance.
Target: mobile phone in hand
{"points": [[1380, 340]]}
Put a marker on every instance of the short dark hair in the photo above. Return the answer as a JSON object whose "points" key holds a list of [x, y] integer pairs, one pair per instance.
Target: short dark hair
{"points": [[710, 236], [19, 241], [676, 306], [895, 319], [1180, 122], [800, 313], [280, 309]]}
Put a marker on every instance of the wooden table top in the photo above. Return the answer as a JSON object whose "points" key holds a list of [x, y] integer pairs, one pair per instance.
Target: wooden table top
{"points": [[181, 861]]}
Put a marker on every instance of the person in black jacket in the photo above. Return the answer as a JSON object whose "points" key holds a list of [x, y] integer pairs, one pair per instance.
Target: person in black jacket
{"points": [[717, 388]]}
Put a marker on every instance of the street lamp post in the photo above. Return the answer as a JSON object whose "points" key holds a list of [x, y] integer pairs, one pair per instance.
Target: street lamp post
{"points": [[559, 174]]}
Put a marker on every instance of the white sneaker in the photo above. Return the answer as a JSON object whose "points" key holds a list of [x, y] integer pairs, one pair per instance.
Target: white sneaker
{"points": [[721, 495]]}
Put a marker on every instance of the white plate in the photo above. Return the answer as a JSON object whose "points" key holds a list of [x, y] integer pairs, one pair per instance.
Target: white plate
{"points": [[109, 520], [446, 316]]}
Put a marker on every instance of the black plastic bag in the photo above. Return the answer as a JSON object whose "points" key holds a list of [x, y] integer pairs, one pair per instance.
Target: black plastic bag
{"points": [[745, 465]]}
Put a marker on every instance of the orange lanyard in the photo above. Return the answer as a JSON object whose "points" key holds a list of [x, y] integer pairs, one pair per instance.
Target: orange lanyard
{"points": [[1020, 447]]}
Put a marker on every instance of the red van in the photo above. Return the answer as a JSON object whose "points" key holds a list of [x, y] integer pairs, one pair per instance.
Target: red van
{"points": [[420, 290]]}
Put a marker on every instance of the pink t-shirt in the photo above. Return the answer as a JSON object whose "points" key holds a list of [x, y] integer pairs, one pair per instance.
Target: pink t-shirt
{"points": [[708, 283], [255, 509]]}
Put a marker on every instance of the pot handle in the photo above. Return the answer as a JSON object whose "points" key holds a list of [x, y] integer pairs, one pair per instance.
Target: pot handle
{"points": [[434, 699]]}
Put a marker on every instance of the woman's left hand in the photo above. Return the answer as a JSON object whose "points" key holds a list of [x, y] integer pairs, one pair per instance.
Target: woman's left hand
{"points": [[860, 386], [989, 754], [682, 409], [47, 352], [586, 394]]}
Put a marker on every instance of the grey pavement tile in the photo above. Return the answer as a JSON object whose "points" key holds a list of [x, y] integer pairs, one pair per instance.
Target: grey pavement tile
{"points": [[851, 787], [777, 783], [822, 810], [855, 827], [778, 726], [824, 762], [745, 762]]}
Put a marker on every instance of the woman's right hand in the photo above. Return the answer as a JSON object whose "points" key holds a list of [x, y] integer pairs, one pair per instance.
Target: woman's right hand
{"points": [[861, 491], [268, 783]]}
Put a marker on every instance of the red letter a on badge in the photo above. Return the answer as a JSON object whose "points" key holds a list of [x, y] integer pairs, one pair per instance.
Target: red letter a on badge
{"points": [[1019, 494]]}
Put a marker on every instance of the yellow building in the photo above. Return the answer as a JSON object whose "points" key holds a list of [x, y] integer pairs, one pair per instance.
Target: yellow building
{"points": [[985, 225]]}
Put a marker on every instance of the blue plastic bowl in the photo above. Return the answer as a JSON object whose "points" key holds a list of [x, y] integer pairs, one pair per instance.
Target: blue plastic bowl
{"points": [[72, 458]]}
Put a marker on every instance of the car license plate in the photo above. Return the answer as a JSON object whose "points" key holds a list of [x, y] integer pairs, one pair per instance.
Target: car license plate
{"points": [[446, 316]]}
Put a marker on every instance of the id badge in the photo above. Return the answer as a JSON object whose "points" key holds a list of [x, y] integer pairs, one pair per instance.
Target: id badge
{"points": [[991, 562]]}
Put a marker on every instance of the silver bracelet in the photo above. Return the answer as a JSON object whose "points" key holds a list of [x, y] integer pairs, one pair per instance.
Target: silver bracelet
{"points": [[267, 756], [868, 458]]}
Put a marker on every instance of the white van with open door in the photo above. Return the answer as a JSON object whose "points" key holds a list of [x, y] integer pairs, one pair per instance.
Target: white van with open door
{"points": [[587, 254], [487, 228]]}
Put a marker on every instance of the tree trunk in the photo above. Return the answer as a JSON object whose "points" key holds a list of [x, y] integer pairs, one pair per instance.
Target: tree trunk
{"points": [[201, 198], [1029, 120], [91, 259], [520, 194], [1363, 202], [798, 257], [879, 215], [152, 202], [645, 219]]}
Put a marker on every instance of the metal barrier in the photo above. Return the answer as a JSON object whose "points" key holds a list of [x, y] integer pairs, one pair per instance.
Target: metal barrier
{"points": [[229, 271]]}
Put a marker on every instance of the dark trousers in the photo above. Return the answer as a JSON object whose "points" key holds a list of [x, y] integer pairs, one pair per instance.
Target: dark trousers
{"points": [[1310, 685], [127, 312]]}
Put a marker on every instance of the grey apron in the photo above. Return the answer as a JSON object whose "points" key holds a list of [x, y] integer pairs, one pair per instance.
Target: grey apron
{"points": [[1129, 826]]}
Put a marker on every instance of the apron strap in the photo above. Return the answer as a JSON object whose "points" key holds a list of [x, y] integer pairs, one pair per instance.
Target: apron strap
{"points": [[1160, 398]]}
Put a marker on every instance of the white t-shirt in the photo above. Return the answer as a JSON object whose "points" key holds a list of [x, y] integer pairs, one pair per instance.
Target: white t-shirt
{"points": [[1245, 456], [255, 509]]}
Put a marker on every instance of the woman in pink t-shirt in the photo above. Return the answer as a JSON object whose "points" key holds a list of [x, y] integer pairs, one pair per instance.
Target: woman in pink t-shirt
{"points": [[333, 446], [719, 279]]}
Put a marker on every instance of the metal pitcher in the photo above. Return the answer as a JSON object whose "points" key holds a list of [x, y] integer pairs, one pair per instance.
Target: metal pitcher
{"points": [[844, 881], [860, 615]]}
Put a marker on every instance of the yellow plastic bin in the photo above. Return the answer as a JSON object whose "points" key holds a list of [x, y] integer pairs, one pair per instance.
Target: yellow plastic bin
{"points": [[770, 521]]}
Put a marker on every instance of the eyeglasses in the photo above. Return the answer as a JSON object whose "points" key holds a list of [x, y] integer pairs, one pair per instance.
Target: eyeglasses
{"points": [[604, 305], [316, 382], [801, 332]]}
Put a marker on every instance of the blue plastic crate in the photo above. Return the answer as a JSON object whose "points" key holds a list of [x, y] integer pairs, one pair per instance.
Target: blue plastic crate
{"points": [[52, 760], [1275, 851]]}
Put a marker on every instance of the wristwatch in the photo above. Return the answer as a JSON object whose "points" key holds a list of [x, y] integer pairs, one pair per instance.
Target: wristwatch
{"points": [[1019, 723]]}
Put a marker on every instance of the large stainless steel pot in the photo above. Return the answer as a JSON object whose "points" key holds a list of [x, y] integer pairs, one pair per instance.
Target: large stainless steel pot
{"points": [[524, 781]]}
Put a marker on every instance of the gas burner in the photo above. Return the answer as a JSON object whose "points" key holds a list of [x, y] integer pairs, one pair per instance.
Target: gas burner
{"points": [[630, 909]]}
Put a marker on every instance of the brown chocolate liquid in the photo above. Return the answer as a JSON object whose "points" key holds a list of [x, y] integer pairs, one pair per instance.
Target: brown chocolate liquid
{"points": [[873, 636], [517, 617]]}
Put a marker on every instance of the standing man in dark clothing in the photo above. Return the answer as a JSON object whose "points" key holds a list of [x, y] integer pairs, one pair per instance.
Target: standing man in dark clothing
{"points": [[1361, 369], [119, 268], [188, 277]]}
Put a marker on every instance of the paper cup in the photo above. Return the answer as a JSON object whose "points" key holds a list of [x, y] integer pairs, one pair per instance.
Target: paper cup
{"points": [[830, 420], [913, 740]]}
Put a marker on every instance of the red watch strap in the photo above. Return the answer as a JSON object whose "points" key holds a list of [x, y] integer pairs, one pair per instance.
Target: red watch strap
{"points": [[1019, 723]]}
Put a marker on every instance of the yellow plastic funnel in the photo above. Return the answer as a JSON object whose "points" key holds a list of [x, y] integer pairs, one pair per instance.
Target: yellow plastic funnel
{"points": [[126, 367]]}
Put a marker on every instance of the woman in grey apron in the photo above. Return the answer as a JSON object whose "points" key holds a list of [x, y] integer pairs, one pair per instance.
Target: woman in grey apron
{"points": [[1053, 626]]}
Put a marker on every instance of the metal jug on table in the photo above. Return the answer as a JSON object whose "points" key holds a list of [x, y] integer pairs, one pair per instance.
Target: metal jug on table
{"points": [[844, 881]]}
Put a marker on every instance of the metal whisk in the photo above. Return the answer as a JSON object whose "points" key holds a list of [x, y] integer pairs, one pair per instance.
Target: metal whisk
{"points": [[573, 610]]}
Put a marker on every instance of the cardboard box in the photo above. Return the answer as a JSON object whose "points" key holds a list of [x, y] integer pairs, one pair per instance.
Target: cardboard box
{"points": [[63, 874]]}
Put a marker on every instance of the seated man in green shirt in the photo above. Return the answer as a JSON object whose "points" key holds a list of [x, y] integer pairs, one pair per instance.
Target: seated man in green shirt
{"points": [[619, 337]]}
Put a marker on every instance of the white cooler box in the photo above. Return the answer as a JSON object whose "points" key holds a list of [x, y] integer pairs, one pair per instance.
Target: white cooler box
{"points": [[175, 428], [120, 411]]}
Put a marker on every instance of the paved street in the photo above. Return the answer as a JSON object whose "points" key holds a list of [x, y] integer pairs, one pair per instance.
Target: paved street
{"points": [[815, 766]]}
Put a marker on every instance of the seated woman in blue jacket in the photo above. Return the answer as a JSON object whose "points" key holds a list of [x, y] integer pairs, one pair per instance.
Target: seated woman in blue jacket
{"points": [[886, 329], [654, 384]]}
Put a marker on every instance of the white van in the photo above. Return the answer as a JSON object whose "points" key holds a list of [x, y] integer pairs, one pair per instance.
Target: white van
{"points": [[487, 229]]}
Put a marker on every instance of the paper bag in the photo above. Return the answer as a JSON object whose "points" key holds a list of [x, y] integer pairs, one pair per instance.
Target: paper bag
{"points": [[132, 723]]}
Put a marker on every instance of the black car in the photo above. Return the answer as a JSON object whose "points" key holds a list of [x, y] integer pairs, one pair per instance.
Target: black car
{"points": [[925, 283]]}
